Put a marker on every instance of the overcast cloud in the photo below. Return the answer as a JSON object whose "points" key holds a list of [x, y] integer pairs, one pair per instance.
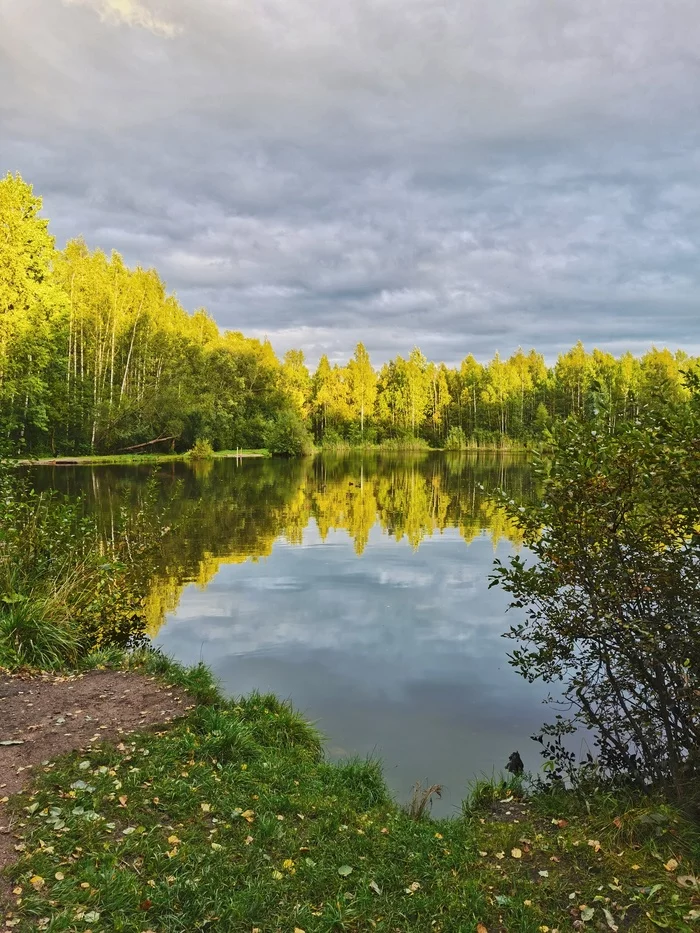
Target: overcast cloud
{"points": [[463, 175]]}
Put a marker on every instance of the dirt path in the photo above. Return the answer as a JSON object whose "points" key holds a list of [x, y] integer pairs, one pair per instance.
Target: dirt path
{"points": [[44, 717]]}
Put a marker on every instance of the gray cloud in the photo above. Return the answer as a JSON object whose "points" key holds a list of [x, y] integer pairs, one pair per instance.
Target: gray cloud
{"points": [[461, 176]]}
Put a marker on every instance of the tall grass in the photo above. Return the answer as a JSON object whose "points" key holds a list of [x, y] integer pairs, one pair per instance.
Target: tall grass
{"points": [[62, 590]]}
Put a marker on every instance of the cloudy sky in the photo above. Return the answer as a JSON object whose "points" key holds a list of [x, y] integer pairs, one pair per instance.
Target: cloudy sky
{"points": [[463, 175]]}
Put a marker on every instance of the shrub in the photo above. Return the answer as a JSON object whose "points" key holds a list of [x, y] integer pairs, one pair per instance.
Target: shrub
{"points": [[202, 450], [62, 589], [612, 604], [405, 442], [288, 436], [456, 439]]}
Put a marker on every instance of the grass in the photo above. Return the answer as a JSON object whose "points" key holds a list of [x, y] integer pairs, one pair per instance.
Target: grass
{"points": [[233, 820], [119, 459]]}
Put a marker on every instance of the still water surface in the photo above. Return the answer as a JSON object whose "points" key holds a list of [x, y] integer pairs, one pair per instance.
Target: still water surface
{"points": [[356, 587]]}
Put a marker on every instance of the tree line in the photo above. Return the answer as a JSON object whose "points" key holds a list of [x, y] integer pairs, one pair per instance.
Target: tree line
{"points": [[98, 357]]}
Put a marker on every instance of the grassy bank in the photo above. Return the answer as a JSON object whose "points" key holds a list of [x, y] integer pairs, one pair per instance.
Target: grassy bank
{"points": [[232, 819], [119, 459]]}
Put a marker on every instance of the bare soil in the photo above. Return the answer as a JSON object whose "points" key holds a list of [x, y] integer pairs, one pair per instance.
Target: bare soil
{"points": [[44, 717]]}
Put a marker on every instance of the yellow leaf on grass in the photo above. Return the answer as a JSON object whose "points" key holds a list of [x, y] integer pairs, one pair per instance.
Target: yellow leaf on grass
{"points": [[594, 844], [480, 928], [59, 876], [671, 865], [173, 840], [36, 881], [248, 815], [516, 853], [205, 807]]}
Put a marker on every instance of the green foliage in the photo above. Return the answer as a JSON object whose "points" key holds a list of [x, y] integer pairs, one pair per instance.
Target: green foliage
{"points": [[98, 358], [612, 599], [288, 436], [404, 442], [63, 588], [30, 638], [456, 439], [233, 818], [202, 450]]}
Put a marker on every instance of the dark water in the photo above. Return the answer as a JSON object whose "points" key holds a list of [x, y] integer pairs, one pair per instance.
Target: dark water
{"points": [[358, 588]]}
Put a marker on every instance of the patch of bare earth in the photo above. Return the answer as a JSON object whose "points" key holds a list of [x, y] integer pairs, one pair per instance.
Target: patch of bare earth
{"points": [[47, 716]]}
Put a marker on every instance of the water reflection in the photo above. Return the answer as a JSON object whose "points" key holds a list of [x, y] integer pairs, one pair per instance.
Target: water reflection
{"points": [[346, 585]]}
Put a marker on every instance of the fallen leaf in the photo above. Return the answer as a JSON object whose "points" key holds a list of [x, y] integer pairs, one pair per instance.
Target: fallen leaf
{"points": [[173, 840], [480, 928], [277, 875], [688, 881], [36, 881], [248, 815], [516, 853], [375, 887], [610, 920], [248, 840], [59, 876], [543, 874], [92, 916], [587, 912], [205, 807], [671, 865], [345, 870], [594, 844]]}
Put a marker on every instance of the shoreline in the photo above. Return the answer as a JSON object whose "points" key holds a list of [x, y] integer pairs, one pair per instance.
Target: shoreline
{"points": [[238, 796], [117, 459], [259, 454]]}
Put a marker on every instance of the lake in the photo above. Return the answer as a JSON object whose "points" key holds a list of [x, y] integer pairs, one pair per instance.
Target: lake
{"points": [[356, 587]]}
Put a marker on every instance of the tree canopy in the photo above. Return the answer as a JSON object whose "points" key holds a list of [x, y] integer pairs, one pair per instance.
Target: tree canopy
{"points": [[97, 357]]}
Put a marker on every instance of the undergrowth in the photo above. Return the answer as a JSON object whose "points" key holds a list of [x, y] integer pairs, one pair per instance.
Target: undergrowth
{"points": [[233, 820]]}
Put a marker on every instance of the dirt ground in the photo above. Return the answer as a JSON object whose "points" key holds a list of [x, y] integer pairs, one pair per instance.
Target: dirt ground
{"points": [[44, 717]]}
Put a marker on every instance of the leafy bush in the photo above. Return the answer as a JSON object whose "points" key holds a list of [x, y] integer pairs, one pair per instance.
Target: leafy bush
{"points": [[201, 450], [612, 603], [288, 436], [456, 439], [63, 590], [332, 440], [405, 442]]}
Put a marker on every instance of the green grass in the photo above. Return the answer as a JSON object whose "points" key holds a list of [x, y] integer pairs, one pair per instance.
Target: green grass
{"points": [[233, 820], [118, 459]]}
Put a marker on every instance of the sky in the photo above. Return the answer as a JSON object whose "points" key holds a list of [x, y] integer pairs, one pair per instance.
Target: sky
{"points": [[464, 176]]}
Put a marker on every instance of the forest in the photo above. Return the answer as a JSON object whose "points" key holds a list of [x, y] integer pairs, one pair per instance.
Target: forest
{"points": [[96, 357]]}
